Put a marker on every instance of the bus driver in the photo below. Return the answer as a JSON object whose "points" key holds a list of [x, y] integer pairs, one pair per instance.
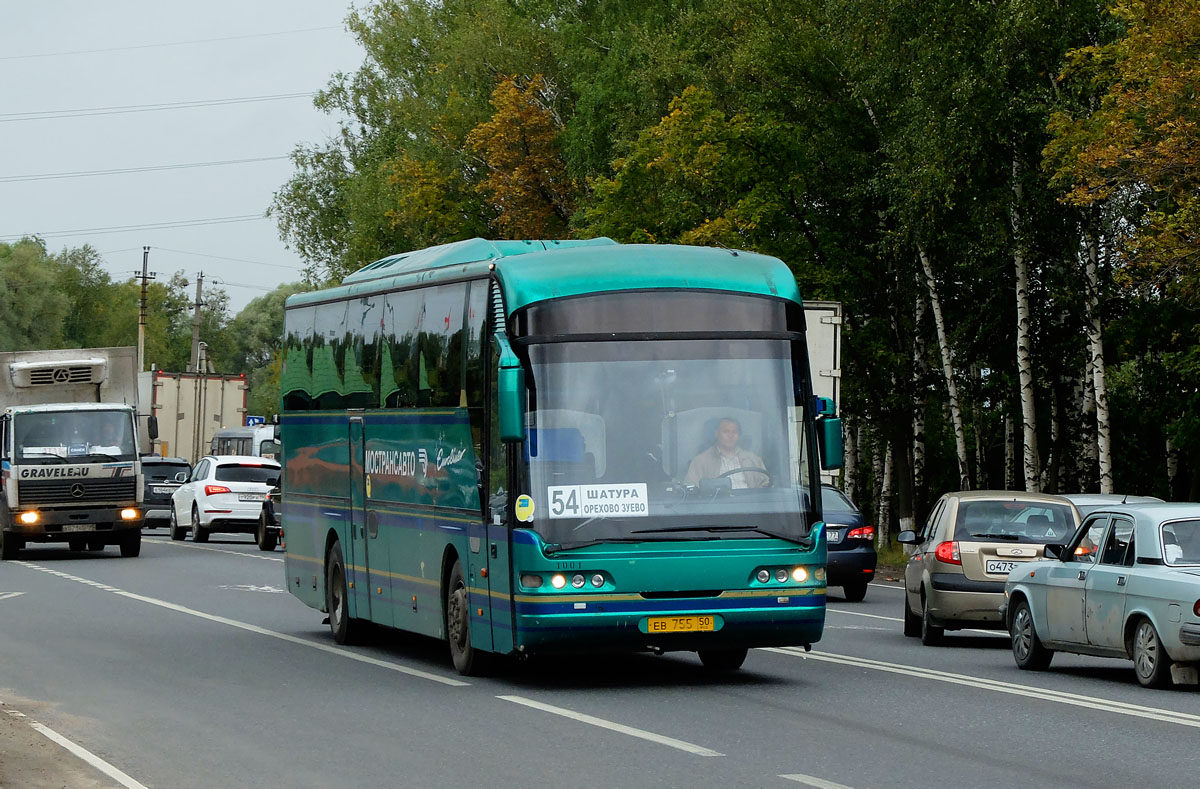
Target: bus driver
{"points": [[725, 456]]}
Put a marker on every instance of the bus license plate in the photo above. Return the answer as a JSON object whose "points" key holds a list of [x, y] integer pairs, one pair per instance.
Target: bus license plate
{"points": [[996, 567], [680, 624]]}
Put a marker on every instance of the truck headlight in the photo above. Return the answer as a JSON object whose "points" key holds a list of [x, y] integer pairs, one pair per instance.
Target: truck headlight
{"points": [[130, 514], [29, 518]]}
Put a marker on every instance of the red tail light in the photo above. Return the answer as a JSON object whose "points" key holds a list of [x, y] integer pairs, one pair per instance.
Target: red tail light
{"points": [[947, 553], [212, 490], [861, 533], [1196, 608]]}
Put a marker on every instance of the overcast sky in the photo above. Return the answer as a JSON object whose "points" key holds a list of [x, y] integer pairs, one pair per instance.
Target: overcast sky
{"points": [[79, 61]]}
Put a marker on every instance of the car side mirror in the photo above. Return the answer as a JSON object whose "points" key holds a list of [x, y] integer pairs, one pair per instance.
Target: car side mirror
{"points": [[907, 537], [1054, 550]]}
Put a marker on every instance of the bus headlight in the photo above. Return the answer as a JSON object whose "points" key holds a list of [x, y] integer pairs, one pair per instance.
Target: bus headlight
{"points": [[781, 575], [130, 514], [764, 576], [578, 581], [531, 581], [558, 581], [799, 575], [597, 580], [29, 518]]}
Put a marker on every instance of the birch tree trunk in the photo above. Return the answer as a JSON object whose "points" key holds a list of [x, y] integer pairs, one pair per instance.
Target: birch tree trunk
{"points": [[850, 469], [1172, 470], [1096, 358], [918, 427], [1024, 344], [1088, 456], [883, 525], [1010, 453], [960, 438]]}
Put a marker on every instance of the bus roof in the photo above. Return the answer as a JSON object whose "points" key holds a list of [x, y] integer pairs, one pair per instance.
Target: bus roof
{"points": [[533, 271]]}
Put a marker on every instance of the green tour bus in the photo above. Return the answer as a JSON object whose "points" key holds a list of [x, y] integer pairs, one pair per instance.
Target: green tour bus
{"points": [[535, 447]]}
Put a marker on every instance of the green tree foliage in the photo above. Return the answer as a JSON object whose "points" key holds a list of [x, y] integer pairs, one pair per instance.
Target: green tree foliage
{"points": [[846, 138]]}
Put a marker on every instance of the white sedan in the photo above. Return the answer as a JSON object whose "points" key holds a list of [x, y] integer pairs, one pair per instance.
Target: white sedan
{"points": [[224, 494]]}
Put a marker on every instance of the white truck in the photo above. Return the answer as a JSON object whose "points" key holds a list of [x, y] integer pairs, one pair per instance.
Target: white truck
{"points": [[70, 465], [191, 409]]}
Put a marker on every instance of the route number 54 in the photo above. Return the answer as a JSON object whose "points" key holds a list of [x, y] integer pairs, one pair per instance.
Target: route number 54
{"points": [[564, 503]]}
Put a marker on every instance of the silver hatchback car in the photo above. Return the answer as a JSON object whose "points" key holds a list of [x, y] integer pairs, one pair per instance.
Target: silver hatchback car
{"points": [[970, 543]]}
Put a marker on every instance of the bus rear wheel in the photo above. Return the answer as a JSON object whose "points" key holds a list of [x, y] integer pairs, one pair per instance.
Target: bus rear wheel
{"points": [[723, 659], [346, 630], [468, 661]]}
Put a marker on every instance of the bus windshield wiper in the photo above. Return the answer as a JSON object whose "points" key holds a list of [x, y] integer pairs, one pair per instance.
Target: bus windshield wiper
{"points": [[758, 529], [102, 455], [566, 546]]}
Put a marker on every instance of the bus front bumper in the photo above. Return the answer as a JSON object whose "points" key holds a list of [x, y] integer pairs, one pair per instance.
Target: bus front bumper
{"points": [[624, 623]]}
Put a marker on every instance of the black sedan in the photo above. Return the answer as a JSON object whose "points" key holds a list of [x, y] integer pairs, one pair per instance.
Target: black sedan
{"points": [[163, 476], [851, 542]]}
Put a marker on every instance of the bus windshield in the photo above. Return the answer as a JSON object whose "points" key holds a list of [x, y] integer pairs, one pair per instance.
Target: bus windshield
{"points": [[666, 440]]}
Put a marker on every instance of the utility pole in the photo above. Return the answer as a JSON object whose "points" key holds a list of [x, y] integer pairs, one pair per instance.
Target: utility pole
{"points": [[195, 364], [145, 277]]}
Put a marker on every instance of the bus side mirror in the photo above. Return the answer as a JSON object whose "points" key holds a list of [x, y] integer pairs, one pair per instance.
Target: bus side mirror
{"points": [[510, 386], [829, 441], [152, 427]]}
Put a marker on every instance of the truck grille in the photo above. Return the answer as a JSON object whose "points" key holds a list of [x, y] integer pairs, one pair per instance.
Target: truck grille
{"points": [[80, 374], [56, 491]]}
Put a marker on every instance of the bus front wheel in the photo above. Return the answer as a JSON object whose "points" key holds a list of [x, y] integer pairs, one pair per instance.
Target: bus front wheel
{"points": [[346, 630], [468, 661]]}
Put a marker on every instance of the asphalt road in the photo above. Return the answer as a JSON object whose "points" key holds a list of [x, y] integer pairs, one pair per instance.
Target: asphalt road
{"points": [[191, 666]]}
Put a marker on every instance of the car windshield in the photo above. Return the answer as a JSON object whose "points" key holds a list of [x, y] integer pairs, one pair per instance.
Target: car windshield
{"points": [[695, 439], [237, 472], [84, 436], [1013, 521], [1181, 542]]}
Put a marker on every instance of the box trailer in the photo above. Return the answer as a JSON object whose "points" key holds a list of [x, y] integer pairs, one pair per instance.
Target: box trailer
{"points": [[191, 408]]}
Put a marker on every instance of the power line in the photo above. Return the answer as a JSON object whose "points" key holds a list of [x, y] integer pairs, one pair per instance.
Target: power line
{"points": [[17, 117], [168, 44], [221, 220], [12, 179], [234, 260]]}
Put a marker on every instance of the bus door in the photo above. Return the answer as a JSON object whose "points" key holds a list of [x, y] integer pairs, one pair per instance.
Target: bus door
{"points": [[497, 545], [363, 536]]}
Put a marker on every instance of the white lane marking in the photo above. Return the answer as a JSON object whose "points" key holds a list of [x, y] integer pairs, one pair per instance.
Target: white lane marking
{"points": [[896, 587], [194, 547], [262, 631], [252, 588], [1029, 691], [10, 595], [84, 754], [898, 619], [820, 783], [670, 742]]}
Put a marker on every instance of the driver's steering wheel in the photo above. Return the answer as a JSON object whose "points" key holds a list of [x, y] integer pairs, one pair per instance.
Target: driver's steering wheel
{"points": [[740, 469]]}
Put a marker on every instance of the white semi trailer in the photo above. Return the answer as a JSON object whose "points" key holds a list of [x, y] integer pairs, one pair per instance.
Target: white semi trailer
{"points": [[70, 466]]}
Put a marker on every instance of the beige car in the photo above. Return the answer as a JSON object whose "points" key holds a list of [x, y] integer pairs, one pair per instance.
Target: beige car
{"points": [[971, 541]]}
